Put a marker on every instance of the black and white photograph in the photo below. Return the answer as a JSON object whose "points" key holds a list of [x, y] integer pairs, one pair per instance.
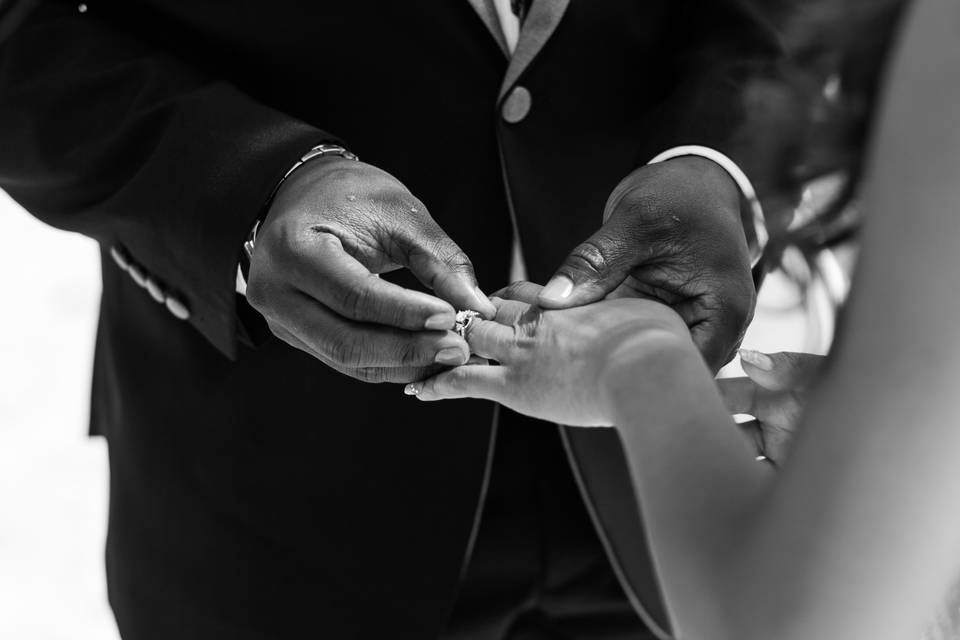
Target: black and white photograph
{"points": [[480, 320]]}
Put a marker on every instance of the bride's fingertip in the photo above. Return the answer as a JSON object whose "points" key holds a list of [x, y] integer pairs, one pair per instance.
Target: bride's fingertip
{"points": [[413, 389]]}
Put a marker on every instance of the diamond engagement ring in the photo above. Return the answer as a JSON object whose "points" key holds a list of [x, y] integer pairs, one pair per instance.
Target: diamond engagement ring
{"points": [[463, 321]]}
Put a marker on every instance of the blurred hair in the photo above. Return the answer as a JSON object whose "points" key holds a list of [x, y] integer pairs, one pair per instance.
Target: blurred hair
{"points": [[810, 115]]}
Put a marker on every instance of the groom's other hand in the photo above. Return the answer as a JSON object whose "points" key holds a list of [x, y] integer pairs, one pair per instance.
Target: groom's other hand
{"points": [[672, 232], [336, 224]]}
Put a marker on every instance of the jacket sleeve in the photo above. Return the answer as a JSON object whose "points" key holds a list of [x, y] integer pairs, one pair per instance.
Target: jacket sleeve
{"points": [[726, 49], [721, 49], [106, 135]]}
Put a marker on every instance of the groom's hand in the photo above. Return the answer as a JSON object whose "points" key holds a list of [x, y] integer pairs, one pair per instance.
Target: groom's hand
{"points": [[672, 231], [333, 226]]}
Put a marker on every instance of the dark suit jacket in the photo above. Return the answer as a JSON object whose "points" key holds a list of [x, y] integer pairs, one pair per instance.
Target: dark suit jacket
{"points": [[254, 492]]}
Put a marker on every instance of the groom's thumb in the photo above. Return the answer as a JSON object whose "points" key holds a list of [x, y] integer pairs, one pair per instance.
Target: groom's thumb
{"points": [[593, 269]]}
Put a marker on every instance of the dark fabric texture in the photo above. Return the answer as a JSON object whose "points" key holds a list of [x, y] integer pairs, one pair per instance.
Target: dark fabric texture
{"points": [[254, 492], [539, 570]]}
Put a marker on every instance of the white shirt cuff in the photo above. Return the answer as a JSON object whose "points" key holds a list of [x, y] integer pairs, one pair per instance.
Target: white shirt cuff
{"points": [[241, 284], [742, 181]]}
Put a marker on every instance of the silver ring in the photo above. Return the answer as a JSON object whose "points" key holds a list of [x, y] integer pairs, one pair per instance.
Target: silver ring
{"points": [[463, 321]]}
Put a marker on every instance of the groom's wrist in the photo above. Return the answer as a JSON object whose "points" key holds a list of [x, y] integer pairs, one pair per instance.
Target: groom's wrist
{"points": [[753, 219]]}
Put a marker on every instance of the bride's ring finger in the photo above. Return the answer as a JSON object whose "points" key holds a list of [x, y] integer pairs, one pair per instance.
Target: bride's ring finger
{"points": [[489, 339], [509, 311]]}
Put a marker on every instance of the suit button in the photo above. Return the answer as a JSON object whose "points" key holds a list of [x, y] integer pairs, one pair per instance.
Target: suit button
{"points": [[517, 105], [138, 274], [155, 290], [177, 307], [120, 257]]}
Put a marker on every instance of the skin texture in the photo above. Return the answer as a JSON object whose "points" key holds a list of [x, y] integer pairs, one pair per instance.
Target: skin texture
{"points": [[336, 224], [672, 232], [540, 351], [857, 536], [774, 392]]}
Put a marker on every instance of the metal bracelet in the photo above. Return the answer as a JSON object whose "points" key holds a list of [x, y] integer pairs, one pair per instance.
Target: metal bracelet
{"points": [[318, 151]]}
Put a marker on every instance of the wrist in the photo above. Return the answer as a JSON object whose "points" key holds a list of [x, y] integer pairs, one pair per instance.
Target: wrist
{"points": [[319, 157], [706, 175], [751, 216], [628, 369], [303, 178]]}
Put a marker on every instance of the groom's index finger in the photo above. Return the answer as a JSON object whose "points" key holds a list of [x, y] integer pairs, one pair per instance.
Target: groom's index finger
{"points": [[342, 284], [439, 263]]}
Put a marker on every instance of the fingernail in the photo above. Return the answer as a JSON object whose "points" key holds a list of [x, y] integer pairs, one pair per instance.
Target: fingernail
{"points": [[440, 321], [757, 359], [559, 288], [413, 389], [452, 356]]}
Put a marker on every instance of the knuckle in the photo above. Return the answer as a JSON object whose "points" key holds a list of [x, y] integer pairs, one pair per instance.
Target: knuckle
{"points": [[589, 258], [346, 351], [446, 251], [450, 383], [412, 353], [459, 262], [354, 301]]}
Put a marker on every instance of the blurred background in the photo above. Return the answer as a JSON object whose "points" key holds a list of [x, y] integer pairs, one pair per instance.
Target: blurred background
{"points": [[53, 478]]}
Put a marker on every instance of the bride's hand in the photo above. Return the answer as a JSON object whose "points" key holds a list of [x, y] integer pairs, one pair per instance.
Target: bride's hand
{"points": [[552, 363], [774, 393]]}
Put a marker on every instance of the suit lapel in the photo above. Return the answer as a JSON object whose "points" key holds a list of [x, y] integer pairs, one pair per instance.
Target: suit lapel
{"points": [[595, 455], [540, 23], [600, 469], [488, 13]]}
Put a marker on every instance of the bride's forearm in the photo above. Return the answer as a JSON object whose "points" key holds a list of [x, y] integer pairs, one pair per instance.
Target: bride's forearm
{"points": [[694, 474], [854, 538], [857, 536]]}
